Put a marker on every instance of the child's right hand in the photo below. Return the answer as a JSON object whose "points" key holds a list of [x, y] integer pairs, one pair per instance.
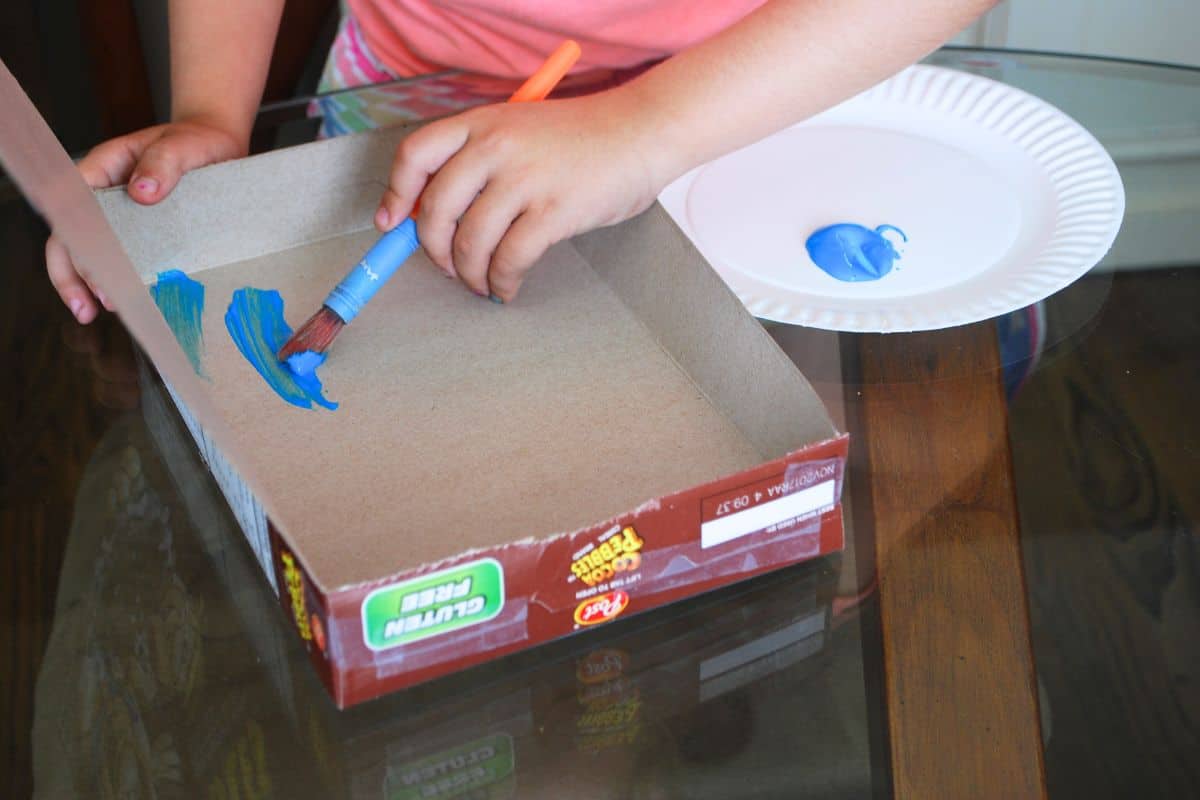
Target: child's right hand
{"points": [[151, 162]]}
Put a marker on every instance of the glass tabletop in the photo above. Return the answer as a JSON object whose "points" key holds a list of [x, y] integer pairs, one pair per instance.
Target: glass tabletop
{"points": [[1016, 612]]}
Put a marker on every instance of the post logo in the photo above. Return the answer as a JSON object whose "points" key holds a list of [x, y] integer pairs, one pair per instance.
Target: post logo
{"points": [[601, 608], [602, 665], [433, 604]]}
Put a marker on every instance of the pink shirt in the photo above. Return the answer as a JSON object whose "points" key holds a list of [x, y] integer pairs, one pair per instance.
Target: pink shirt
{"points": [[510, 38]]}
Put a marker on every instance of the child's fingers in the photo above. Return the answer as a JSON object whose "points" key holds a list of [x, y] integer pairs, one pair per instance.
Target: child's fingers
{"points": [[159, 170], [167, 158], [392, 211], [480, 231], [446, 199], [99, 295], [109, 163], [528, 238], [66, 281], [419, 155]]}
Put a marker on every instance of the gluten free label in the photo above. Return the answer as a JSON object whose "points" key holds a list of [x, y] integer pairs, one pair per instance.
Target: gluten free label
{"points": [[433, 605]]}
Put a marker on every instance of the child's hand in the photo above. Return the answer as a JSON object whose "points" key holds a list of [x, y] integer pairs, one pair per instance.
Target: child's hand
{"points": [[151, 161], [505, 182]]}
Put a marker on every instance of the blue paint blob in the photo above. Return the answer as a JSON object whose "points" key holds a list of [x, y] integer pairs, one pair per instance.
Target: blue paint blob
{"points": [[181, 301], [851, 252], [255, 322], [306, 363]]}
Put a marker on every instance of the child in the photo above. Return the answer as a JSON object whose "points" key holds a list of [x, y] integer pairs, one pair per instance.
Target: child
{"points": [[502, 183]]}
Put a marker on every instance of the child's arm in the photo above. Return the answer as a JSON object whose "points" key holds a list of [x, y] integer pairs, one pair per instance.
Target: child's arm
{"points": [[220, 53], [506, 182]]}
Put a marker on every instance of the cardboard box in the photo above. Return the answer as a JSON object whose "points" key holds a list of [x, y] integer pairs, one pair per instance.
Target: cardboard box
{"points": [[623, 436]]}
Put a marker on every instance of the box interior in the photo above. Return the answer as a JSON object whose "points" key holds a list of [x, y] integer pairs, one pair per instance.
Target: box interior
{"points": [[624, 371]]}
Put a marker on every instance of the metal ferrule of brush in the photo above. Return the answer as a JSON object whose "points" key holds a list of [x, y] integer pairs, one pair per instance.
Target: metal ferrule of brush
{"points": [[374, 270]]}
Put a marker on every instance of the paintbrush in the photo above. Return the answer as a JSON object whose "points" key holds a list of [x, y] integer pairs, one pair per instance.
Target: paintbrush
{"points": [[304, 351]]}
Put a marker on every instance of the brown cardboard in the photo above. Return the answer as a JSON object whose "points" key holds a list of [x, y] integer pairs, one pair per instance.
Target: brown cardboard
{"points": [[599, 447], [569, 366]]}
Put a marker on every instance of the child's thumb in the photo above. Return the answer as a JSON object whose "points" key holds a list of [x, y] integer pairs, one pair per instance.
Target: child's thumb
{"points": [[162, 165]]}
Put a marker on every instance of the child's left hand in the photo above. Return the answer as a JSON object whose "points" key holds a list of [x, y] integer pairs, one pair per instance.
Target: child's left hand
{"points": [[505, 182]]}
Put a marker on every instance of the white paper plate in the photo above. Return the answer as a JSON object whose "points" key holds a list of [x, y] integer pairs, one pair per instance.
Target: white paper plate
{"points": [[1004, 199]]}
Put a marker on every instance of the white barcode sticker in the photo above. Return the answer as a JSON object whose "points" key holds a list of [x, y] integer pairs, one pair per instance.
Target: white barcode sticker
{"points": [[747, 513]]}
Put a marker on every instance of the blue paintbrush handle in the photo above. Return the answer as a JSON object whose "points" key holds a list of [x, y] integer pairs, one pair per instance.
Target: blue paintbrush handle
{"points": [[376, 267]]}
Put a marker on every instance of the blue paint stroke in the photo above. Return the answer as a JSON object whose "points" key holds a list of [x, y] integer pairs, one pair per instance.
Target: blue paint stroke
{"points": [[852, 252], [181, 301], [255, 322]]}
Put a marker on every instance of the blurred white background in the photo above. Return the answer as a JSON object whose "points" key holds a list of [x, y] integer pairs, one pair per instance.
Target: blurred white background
{"points": [[1149, 120], [1151, 30]]}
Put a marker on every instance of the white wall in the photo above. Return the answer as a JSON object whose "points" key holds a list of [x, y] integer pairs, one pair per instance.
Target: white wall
{"points": [[1150, 124], [1150, 30]]}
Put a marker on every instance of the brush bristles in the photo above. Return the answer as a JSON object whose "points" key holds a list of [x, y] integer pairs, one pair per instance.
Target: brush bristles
{"points": [[315, 335]]}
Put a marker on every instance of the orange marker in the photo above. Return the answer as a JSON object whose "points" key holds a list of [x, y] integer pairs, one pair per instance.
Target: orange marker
{"points": [[541, 83]]}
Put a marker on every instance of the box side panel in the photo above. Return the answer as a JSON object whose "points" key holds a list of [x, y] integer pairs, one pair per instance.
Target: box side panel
{"points": [[304, 604], [301, 600], [245, 507], [423, 625], [665, 281], [215, 527], [231, 211]]}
